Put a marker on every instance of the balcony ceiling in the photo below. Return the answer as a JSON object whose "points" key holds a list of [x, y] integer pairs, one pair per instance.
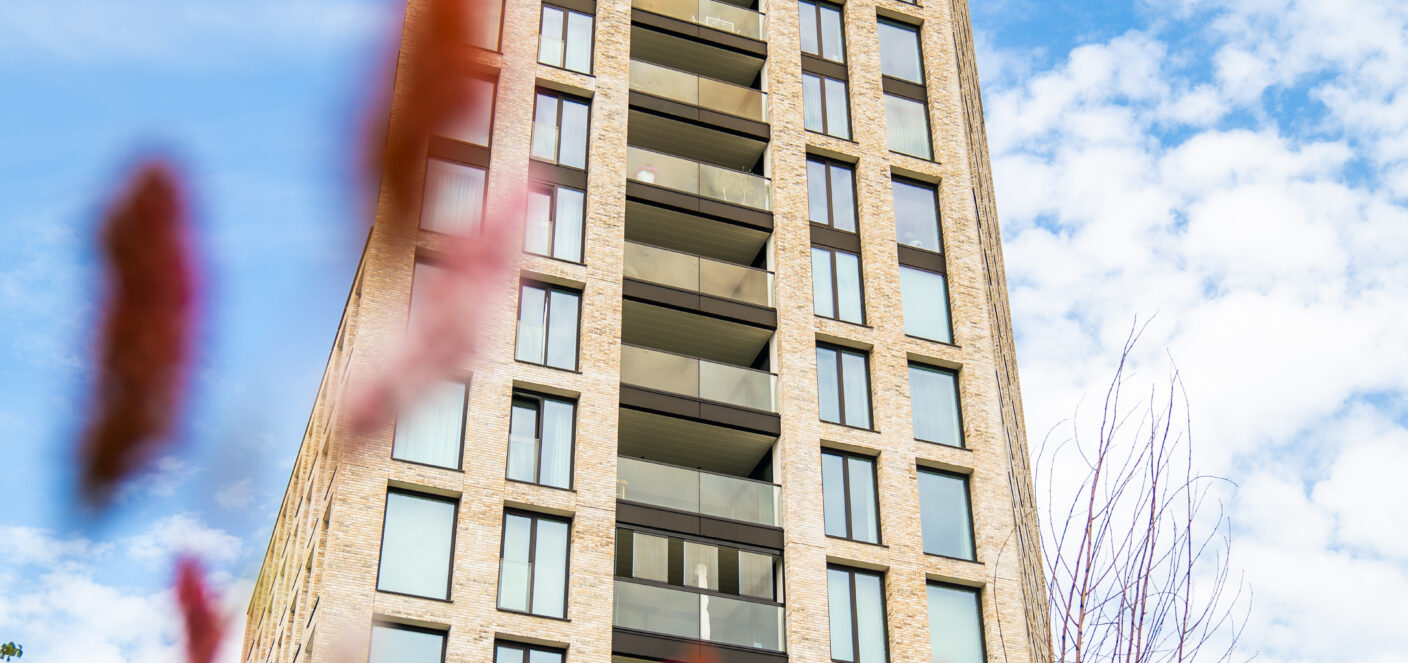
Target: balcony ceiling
{"points": [[694, 57], [690, 443], [670, 229], [690, 334], [693, 141]]}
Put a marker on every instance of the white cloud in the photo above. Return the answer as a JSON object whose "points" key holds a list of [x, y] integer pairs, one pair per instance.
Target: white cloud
{"points": [[183, 533], [1275, 255], [166, 475], [237, 495]]}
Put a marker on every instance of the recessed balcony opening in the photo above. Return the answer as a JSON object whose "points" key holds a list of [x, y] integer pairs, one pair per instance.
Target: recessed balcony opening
{"points": [[697, 357], [695, 57], [738, 18], [707, 238], [694, 142], [684, 443], [693, 335]]}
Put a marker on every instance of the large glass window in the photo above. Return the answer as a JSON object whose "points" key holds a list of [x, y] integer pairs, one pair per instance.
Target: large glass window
{"points": [[533, 568], [395, 643], [843, 386], [540, 440], [473, 125], [831, 194], [955, 624], [454, 197], [432, 431], [417, 545], [916, 215], [933, 398], [513, 652], [907, 127], [836, 285], [547, 326], [555, 219], [560, 129], [856, 605], [687, 563], [825, 107], [945, 514], [566, 39], [822, 34], [849, 500], [489, 25], [899, 52], [924, 297]]}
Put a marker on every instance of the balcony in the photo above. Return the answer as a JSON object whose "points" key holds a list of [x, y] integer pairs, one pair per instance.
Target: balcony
{"points": [[701, 91], [720, 16], [698, 378], [698, 616], [698, 179], [692, 273], [695, 491]]}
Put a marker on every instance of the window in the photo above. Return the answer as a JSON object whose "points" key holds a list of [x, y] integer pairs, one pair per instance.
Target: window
{"points": [[945, 514], [555, 217], [843, 386], [540, 440], [566, 39], [899, 52], [432, 431], [533, 567], [955, 624], [473, 126], [685, 563], [512, 652], [916, 215], [836, 285], [907, 126], [831, 194], [824, 106], [417, 541], [849, 503], [933, 397], [856, 605], [454, 197], [547, 326], [560, 130], [822, 34], [924, 297], [395, 643], [488, 25]]}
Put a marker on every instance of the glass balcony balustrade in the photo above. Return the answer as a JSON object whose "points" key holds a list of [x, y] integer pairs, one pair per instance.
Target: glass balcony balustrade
{"points": [[700, 179], [710, 14], [698, 378], [697, 274], [697, 616], [696, 491], [700, 91]]}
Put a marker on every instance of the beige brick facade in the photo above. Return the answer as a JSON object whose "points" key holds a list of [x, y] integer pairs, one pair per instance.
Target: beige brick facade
{"points": [[316, 597]]}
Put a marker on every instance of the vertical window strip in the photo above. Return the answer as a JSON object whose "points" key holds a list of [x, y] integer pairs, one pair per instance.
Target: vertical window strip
{"points": [[555, 222], [541, 440], [850, 499], [533, 565], [547, 326], [856, 606], [825, 106]]}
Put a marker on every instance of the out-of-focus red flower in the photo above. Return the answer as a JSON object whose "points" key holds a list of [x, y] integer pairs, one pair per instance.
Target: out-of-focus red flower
{"points": [[144, 343], [204, 626]]}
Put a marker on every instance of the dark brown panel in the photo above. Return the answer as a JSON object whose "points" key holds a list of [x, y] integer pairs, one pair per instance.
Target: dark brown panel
{"points": [[684, 202], [662, 403], [696, 303], [700, 116], [549, 172], [454, 150], [717, 414], [659, 294], [663, 106], [729, 530], [654, 518], [584, 6], [747, 216], [727, 308], [642, 515], [663, 647], [904, 89], [700, 33], [835, 239], [927, 260], [737, 417], [816, 65]]}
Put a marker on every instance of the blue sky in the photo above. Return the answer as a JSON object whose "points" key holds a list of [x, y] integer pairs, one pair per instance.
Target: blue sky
{"points": [[1236, 169]]}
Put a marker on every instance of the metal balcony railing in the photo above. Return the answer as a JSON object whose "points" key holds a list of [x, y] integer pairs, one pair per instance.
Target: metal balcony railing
{"points": [[698, 378], [709, 617], [698, 274], [710, 14], [697, 491], [700, 179], [700, 91]]}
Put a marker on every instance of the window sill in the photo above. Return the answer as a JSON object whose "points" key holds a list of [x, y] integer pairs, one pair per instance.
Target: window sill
{"points": [[578, 371], [944, 445], [862, 325], [947, 344], [572, 71], [877, 544], [569, 489], [530, 614], [414, 596], [579, 263], [852, 141], [837, 423], [956, 559], [431, 465]]}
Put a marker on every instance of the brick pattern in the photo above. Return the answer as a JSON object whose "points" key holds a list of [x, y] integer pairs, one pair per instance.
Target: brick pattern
{"points": [[332, 511]]}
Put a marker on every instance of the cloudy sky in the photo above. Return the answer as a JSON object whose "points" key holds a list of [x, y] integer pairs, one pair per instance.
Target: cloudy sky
{"points": [[1234, 170]]}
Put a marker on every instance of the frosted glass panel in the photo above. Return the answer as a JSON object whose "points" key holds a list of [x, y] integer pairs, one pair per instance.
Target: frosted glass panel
{"points": [[848, 285], [907, 126], [431, 431], [838, 599], [532, 323], [454, 198], [550, 569], [650, 557], [870, 618], [833, 488], [855, 389], [865, 524], [828, 391], [822, 300]]}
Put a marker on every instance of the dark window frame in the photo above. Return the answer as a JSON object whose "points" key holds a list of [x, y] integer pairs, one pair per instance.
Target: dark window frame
{"points": [[464, 430], [979, 592], [836, 290], [532, 561], [948, 302], [551, 189], [549, 288], [454, 535], [921, 260], [851, 573], [957, 397], [825, 116], [841, 382], [907, 88], [845, 457], [443, 633], [561, 98], [968, 499], [538, 398], [928, 124], [526, 648], [560, 5], [827, 165], [462, 162], [821, 32]]}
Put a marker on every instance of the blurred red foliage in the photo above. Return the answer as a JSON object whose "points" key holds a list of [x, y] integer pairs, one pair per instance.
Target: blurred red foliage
{"points": [[145, 338], [204, 626]]}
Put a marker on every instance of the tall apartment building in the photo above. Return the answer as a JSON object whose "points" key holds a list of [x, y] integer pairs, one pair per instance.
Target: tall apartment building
{"points": [[755, 397]]}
